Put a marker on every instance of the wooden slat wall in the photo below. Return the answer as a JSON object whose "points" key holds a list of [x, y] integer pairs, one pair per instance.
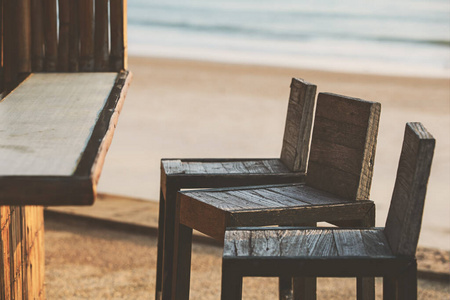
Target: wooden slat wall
{"points": [[343, 146], [22, 252], [31, 42], [405, 213]]}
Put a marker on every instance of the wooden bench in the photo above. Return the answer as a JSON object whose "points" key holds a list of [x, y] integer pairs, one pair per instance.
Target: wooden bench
{"points": [[62, 92], [337, 252]]}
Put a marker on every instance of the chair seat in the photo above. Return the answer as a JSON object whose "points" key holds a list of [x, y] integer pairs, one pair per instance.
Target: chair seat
{"points": [[223, 166], [288, 204], [323, 252]]}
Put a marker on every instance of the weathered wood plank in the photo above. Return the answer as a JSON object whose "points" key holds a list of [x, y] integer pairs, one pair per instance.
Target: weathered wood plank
{"points": [[339, 164], [86, 15], [275, 166], [214, 168], [240, 245], [48, 112], [308, 195], [64, 31], [235, 167], [375, 242], [249, 196], [256, 167], [50, 35], [101, 54], [37, 36], [349, 242], [173, 167], [405, 213], [283, 200], [194, 168], [295, 148], [324, 244]]}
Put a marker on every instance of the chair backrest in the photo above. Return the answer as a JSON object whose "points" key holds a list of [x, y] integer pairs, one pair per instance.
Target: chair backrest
{"points": [[405, 213], [343, 146], [297, 131], [87, 40]]}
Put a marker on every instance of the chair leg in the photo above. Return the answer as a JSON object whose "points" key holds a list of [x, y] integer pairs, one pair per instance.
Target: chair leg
{"points": [[407, 283], [231, 284], [159, 262], [365, 288], [182, 262], [285, 288], [304, 288], [168, 241], [389, 288]]}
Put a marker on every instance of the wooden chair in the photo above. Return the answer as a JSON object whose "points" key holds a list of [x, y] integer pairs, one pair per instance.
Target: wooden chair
{"points": [[336, 190], [61, 92], [178, 174], [337, 252]]}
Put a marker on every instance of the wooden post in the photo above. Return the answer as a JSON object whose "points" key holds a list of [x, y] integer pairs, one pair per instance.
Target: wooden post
{"points": [[86, 19], [74, 39], [118, 16], [64, 29], [37, 36], [51, 44], [101, 54], [22, 252], [23, 23]]}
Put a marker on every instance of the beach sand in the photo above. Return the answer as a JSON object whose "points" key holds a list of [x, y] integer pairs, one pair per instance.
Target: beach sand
{"points": [[181, 108]]}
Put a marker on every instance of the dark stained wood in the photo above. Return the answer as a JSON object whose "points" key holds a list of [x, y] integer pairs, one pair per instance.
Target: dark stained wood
{"points": [[297, 132], [37, 36], [118, 16], [86, 23], [50, 36], [101, 54], [339, 164], [9, 35], [74, 37], [405, 213], [64, 32], [23, 25], [338, 252]]}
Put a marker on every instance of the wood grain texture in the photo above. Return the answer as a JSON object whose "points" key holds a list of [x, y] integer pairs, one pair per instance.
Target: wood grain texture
{"points": [[37, 36], [118, 17], [292, 242], [297, 132], [64, 33], [23, 27], [101, 54], [343, 146], [22, 252], [405, 213], [61, 177], [86, 23], [50, 35], [74, 37], [47, 121]]}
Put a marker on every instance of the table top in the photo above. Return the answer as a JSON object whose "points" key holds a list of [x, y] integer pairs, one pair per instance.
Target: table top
{"points": [[55, 129]]}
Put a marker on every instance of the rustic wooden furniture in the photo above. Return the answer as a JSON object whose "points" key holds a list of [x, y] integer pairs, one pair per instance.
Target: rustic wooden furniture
{"points": [[61, 94], [337, 252], [178, 174], [337, 187]]}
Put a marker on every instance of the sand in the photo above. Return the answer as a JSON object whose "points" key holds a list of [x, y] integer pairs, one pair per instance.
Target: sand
{"points": [[85, 260], [181, 108]]}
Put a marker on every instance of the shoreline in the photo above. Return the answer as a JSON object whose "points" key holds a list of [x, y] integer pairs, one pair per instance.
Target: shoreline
{"points": [[187, 108]]}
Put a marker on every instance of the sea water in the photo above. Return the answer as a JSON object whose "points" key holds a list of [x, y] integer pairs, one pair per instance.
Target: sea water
{"points": [[403, 37]]}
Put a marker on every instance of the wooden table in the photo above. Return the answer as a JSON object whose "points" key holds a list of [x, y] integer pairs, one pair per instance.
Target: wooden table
{"points": [[55, 130]]}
